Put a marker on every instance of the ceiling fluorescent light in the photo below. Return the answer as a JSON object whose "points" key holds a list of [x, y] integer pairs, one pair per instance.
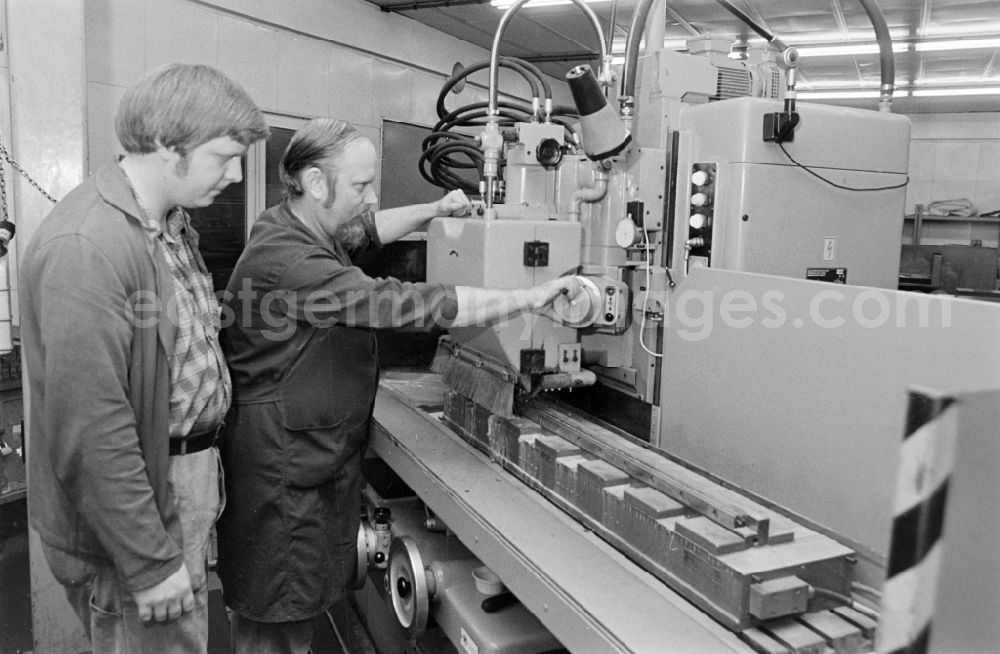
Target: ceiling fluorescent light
{"points": [[956, 92], [820, 38], [959, 44], [847, 50], [957, 82], [845, 95], [507, 4], [964, 29], [618, 45]]}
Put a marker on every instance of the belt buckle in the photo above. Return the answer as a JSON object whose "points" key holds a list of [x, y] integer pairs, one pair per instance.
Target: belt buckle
{"points": [[182, 446]]}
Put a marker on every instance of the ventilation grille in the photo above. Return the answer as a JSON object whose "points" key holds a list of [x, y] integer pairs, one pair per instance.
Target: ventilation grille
{"points": [[732, 83], [772, 82]]}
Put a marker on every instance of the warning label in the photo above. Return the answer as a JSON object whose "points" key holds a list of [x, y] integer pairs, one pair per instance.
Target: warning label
{"points": [[833, 275]]}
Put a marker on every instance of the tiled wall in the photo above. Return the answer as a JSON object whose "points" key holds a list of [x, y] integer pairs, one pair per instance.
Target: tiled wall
{"points": [[305, 58], [955, 156]]}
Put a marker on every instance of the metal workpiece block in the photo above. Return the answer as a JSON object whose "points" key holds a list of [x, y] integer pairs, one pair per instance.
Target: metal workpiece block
{"points": [[838, 632], [592, 477], [477, 421], [763, 643], [779, 597], [652, 503], [707, 534], [465, 418], [504, 435], [800, 638], [454, 408], [704, 573], [549, 448], [565, 484], [613, 507], [665, 539], [863, 622], [643, 508], [527, 454]]}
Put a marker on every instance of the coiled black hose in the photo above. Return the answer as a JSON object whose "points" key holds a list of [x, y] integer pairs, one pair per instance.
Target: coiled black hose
{"points": [[449, 152]]}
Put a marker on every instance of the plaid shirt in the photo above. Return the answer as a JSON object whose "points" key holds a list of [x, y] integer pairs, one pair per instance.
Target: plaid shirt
{"points": [[200, 386]]}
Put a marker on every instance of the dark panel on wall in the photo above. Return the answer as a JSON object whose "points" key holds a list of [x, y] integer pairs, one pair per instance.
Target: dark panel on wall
{"points": [[402, 183]]}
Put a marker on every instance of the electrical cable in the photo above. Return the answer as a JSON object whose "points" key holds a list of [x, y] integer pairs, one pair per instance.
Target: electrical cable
{"points": [[645, 302], [835, 184]]}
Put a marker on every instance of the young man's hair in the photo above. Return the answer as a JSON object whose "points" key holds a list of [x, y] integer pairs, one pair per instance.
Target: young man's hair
{"points": [[319, 142], [183, 106]]}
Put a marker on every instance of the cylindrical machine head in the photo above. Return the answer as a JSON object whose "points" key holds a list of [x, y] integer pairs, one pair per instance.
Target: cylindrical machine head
{"points": [[604, 134]]}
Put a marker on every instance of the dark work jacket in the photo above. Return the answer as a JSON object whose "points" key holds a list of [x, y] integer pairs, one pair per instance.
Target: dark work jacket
{"points": [[300, 343], [97, 353]]}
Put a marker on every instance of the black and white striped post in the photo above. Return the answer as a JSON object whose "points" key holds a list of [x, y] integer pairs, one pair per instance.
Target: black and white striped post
{"points": [[927, 457]]}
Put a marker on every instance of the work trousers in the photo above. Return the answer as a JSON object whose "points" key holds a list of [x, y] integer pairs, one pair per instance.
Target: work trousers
{"points": [[252, 637], [108, 610]]}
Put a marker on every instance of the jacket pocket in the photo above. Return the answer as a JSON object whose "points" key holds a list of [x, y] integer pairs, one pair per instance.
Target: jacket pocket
{"points": [[306, 394], [332, 381]]}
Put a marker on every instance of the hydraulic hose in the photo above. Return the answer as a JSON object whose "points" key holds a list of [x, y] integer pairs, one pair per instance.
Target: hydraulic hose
{"points": [[491, 141], [632, 42], [887, 60], [540, 87], [754, 25], [502, 28]]}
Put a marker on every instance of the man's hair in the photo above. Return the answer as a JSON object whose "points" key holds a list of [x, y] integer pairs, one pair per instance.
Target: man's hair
{"points": [[183, 106], [319, 142]]}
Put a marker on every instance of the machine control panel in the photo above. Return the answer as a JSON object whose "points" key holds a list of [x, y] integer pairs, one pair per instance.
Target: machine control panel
{"points": [[701, 213], [614, 313], [602, 305]]}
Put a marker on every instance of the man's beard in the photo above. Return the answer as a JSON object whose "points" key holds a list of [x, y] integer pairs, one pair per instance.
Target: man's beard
{"points": [[353, 235]]}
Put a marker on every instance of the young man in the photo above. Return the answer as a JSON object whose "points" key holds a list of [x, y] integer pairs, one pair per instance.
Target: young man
{"points": [[128, 385], [303, 357]]}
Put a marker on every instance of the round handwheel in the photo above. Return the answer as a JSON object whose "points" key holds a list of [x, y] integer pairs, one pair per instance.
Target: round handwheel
{"points": [[584, 307], [366, 543], [406, 583]]}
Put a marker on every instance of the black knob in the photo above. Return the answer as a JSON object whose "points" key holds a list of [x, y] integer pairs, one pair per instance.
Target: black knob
{"points": [[549, 153], [403, 587], [382, 515], [379, 558]]}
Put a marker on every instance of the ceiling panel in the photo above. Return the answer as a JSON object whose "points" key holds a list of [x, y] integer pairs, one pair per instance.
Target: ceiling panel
{"points": [[559, 37]]}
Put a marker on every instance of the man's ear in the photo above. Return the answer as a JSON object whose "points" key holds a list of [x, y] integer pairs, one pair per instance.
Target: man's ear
{"points": [[169, 155], [314, 183]]}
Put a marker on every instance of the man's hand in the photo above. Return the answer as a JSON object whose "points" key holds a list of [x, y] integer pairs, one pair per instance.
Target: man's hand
{"points": [[167, 600], [453, 204], [544, 294]]}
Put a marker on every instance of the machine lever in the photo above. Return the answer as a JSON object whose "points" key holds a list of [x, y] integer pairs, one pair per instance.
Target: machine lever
{"points": [[498, 602]]}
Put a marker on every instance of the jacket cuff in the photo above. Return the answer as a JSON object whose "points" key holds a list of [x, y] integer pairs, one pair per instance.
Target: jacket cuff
{"points": [[150, 577]]}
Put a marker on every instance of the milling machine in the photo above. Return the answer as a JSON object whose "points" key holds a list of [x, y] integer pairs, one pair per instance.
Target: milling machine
{"points": [[739, 253]]}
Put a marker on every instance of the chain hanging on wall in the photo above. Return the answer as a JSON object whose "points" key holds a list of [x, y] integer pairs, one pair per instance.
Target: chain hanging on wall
{"points": [[3, 182], [6, 225]]}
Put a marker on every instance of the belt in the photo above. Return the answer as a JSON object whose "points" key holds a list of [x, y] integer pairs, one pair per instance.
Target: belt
{"points": [[196, 441]]}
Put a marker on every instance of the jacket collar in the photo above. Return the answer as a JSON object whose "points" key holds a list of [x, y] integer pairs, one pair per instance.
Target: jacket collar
{"points": [[114, 187], [116, 190], [289, 219]]}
